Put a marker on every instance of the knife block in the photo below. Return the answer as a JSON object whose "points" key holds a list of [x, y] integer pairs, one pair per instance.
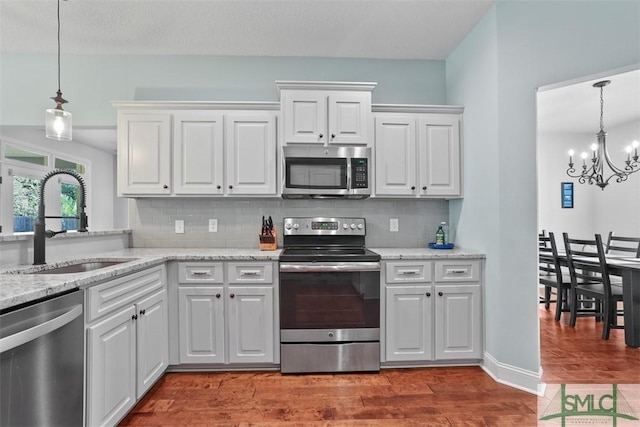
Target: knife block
{"points": [[269, 243]]}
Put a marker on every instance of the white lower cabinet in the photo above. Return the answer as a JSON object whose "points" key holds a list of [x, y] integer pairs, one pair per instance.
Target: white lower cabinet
{"points": [[127, 343], [459, 320], [251, 324], [201, 324], [409, 323], [227, 321], [433, 311]]}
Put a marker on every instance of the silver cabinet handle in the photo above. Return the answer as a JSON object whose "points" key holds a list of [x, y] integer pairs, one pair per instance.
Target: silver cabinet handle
{"points": [[22, 337], [408, 272], [249, 272], [201, 273], [459, 271]]}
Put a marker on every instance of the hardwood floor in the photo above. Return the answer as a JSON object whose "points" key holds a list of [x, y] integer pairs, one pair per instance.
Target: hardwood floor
{"points": [[459, 396]]}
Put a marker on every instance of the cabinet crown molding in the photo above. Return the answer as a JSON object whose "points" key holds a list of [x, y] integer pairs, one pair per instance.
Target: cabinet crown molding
{"points": [[195, 105], [319, 85], [413, 108]]}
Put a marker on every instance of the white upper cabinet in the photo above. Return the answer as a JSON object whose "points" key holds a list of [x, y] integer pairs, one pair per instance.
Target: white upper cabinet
{"points": [[439, 154], [395, 171], [198, 153], [144, 153], [168, 149], [326, 113], [251, 154], [422, 162]]}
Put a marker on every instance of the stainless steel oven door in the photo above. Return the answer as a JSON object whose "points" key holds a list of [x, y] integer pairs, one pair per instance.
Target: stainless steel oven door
{"points": [[329, 296]]}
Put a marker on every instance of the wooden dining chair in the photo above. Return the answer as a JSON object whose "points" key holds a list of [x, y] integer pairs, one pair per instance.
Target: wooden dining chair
{"points": [[551, 276], [625, 245], [590, 280]]}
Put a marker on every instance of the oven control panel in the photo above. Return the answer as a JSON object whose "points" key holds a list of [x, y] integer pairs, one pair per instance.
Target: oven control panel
{"points": [[324, 226]]}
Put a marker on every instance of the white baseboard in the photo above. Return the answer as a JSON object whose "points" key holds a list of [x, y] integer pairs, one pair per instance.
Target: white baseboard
{"points": [[513, 376]]}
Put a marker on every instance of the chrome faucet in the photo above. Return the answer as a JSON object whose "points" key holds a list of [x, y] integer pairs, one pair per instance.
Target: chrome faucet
{"points": [[39, 233]]}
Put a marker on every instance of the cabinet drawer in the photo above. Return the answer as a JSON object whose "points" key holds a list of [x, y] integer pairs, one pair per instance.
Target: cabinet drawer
{"points": [[408, 272], [110, 296], [200, 272], [457, 271], [250, 272]]}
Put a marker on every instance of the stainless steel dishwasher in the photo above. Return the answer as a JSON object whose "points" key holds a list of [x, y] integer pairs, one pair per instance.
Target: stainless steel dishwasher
{"points": [[42, 363]]}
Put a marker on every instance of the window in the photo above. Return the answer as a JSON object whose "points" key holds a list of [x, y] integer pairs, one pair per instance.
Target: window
{"points": [[22, 167]]}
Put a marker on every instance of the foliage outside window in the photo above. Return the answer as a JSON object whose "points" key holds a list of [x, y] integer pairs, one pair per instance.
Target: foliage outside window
{"points": [[26, 192], [69, 205]]}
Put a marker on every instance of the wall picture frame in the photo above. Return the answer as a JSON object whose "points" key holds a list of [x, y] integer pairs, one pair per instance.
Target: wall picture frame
{"points": [[566, 194]]}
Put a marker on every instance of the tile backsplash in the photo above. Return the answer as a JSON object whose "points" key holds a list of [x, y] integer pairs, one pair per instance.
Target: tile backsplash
{"points": [[239, 220]]}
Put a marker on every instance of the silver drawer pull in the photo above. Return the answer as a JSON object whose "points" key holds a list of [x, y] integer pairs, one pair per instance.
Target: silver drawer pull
{"points": [[249, 273], [459, 271], [409, 272], [201, 273]]}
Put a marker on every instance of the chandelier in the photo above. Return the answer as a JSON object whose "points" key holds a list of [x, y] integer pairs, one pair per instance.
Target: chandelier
{"points": [[593, 171], [58, 121]]}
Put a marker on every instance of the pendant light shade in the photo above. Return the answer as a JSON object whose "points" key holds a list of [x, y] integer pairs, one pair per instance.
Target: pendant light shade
{"points": [[57, 120]]}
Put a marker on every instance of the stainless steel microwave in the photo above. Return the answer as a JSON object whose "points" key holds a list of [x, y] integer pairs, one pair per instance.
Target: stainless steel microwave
{"points": [[324, 172]]}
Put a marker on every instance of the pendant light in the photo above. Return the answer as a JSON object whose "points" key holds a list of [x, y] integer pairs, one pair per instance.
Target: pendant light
{"points": [[57, 120]]}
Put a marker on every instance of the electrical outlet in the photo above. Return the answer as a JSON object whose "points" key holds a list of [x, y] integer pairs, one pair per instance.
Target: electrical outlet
{"points": [[179, 226], [393, 224], [213, 225]]}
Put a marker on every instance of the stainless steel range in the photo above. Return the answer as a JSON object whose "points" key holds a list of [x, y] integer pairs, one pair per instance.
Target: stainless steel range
{"points": [[329, 297]]}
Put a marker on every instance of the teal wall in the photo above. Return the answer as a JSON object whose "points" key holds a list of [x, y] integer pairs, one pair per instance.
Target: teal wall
{"points": [[91, 82], [518, 47]]}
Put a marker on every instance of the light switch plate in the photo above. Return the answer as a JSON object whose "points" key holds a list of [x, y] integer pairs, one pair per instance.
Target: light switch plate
{"points": [[393, 224], [213, 225], [179, 226]]}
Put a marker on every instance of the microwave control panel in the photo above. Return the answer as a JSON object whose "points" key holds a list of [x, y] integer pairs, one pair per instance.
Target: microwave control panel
{"points": [[359, 173]]}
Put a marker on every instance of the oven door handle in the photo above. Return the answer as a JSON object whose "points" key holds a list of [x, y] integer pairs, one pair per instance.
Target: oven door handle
{"points": [[329, 267]]}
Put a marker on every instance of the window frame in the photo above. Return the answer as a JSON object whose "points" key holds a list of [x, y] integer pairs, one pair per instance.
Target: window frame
{"points": [[10, 168]]}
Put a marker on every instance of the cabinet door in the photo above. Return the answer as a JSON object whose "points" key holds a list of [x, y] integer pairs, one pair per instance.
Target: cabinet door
{"points": [[251, 324], [395, 155], [198, 162], [111, 368], [409, 323], [349, 118], [251, 154], [305, 117], [144, 155], [152, 340], [459, 322], [201, 324], [439, 155]]}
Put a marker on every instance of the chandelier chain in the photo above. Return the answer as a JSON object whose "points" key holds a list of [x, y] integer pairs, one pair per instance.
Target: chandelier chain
{"points": [[601, 108]]}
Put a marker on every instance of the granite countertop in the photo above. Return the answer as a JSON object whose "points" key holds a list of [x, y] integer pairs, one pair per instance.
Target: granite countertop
{"points": [[18, 288], [425, 253]]}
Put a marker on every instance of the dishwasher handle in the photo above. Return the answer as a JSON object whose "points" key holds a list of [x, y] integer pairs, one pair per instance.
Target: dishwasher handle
{"points": [[30, 334]]}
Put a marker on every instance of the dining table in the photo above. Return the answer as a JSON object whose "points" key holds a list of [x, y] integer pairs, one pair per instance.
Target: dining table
{"points": [[629, 269]]}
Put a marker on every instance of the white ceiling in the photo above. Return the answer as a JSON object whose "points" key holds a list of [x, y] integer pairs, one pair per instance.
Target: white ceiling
{"points": [[391, 29], [576, 107]]}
